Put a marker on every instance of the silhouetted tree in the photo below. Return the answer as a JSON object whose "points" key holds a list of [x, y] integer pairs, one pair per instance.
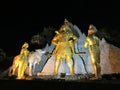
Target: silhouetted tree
{"points": [[111, 35], [2, 55], [41, 39]]}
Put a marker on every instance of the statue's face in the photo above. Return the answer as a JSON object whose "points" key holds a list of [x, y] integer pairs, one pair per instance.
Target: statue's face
{"points": [[25, 45], [90, 32], [91, 27], [65, 28]]}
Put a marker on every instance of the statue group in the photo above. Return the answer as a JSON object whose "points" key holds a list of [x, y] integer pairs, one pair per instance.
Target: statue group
{"points": [[64, 42]]}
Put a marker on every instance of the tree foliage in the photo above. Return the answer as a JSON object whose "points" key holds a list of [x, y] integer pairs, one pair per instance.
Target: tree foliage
{"points": [[111, 35], [43, 38], [2, 55]]}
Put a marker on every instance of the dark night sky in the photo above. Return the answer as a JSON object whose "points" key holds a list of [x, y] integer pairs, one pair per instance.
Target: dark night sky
{"points": [[21, 20]]}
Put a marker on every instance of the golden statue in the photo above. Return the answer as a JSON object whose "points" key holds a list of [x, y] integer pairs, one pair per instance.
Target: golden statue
{"points": [[92, 43], [23, 63], [64, 41], [14, 67]]}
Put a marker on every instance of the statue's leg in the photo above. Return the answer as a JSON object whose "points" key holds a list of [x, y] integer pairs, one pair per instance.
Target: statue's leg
{"points": [[10, 71], [33, 70], [19, 70], [70, 65], [57, 64], [30, 69], [96, 63], [98, 67], [24, 66], [13, 69], [22, 71], [99, 71], [93, 59]]}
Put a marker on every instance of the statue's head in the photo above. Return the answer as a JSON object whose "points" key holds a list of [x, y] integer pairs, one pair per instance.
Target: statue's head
{"points": [[65, 21], [25, 45], [92, 29], [65, 28]]}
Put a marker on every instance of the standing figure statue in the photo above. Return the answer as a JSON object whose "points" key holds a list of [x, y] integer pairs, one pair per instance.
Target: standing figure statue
{"points": [[64, 47], [23, 61], [92, 43]]}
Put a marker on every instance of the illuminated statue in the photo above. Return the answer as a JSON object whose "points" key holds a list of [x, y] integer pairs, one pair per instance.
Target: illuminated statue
{"points": [[64, 42], [35, 58], [92, 43], [23, 61], [20, 62], [13, 68]]}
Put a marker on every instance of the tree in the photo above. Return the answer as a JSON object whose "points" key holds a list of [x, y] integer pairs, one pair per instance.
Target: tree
{"points": [[41, 39]]}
